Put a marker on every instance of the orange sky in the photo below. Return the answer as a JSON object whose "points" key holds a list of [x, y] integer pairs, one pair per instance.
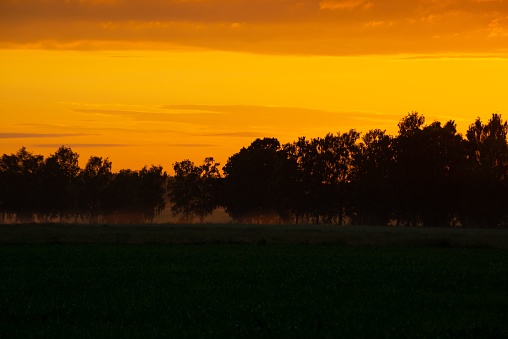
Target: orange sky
{"points": [[154, 81]]}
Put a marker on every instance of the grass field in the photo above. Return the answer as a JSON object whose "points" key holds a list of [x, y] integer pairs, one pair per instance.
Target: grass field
{"points": [[252, 281], [252, 234], [248, 290]]}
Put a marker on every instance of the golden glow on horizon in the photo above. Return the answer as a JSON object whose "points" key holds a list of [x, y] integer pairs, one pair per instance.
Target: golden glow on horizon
{"points": [[145, 82], [160, 107]]}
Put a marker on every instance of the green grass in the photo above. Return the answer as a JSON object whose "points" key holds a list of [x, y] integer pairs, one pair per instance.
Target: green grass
{"points": [[252, 291]]}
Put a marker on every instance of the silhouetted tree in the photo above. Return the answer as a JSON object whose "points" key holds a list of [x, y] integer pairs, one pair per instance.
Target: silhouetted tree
{"points": [[304, 185], [123, 198], [21, 184], [153, 191], [292, 196], [427, 162], [60, 190], [95, 180], [340, 153], [409, 171], [183, 189], [325, 169], [487, 150], [372, 190], [194, 189], [443, 158], [136, 196], [252, 181]]}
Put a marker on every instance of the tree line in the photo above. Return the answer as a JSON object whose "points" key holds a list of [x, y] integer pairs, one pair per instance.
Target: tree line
{"points": [[33, 188], [426, 175]]}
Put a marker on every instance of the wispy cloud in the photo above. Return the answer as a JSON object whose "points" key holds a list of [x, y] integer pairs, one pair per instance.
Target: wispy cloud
{"points": [[143, 116], [89, 130], [284, 114], [236, 134], [345, 4], [263, 121], [98, 145], [38, 135], [245, 121], [192, 145]]}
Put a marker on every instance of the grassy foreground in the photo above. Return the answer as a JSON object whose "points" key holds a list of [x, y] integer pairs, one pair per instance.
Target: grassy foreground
{"points": [[98, 290], [252, 234]]}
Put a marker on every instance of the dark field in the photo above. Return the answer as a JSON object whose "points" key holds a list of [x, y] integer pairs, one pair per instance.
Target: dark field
{"points": [[252, 234], [248, 290], [252, 280]]}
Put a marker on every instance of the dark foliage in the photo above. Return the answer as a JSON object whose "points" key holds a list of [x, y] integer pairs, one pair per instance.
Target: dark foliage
{"points": [[57, 189], [427, 175], [253, 182], [193, 189]]}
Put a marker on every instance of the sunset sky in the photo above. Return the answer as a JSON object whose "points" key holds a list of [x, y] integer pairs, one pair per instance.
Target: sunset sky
{"points": [[159, 81]]}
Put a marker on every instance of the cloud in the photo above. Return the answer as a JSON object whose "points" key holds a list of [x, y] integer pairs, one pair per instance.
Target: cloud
{"points": [[324, 27], [192, 145], [156, 12], [262, 121], [175, 116], [498, 28], [237, 134], [374, 23], [100, 129], [72, 145], [246, 121], [38, 135], [345, 4]]}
